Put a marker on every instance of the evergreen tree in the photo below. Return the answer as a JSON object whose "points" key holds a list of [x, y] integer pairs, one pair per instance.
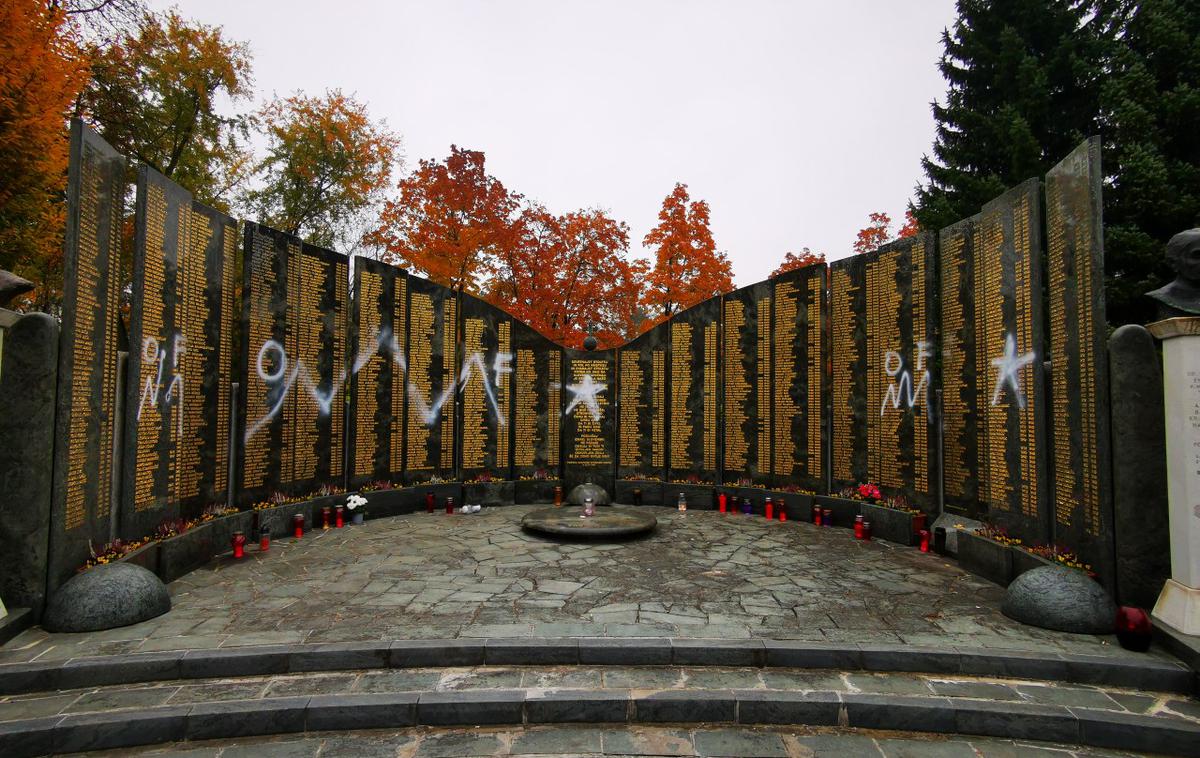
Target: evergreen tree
{"points": [[1024, 81], [1150, 121]]}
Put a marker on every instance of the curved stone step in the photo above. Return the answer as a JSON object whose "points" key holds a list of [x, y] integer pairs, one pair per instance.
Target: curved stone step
{"points": [[1143, 672], [341, 712]]}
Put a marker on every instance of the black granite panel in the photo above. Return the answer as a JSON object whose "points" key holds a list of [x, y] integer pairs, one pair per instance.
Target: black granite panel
{"points": [[747, 364], [318, 322], [485, 390], [182, 322], [83, 501], [432, 365], [589, 417], [797, 391], [693, 434], [883, 370], [1008, 358], [1082, 477], [537, 405], [642, 405], [375, 435], [961, 413]]}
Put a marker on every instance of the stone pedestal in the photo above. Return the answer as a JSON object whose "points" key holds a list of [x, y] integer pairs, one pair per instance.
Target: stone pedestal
{"points": [[1179, 604]]}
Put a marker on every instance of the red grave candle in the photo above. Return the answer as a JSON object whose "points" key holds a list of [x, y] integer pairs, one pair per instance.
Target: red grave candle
{"points": [[866, 531], [770, 510], [298, 525], [858, 527], [239, 545], [264, 539], [816, 515], [721, 502], [826, 517], [325, 518], [782, 513], [449, 506], [429, 502], [923, 536], [339, 517]]}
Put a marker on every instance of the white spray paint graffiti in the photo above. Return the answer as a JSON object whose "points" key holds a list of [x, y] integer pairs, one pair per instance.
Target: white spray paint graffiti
{"points": [[1010, 365], [280, 381], [153, 395], [901, 388], [585, 394]]}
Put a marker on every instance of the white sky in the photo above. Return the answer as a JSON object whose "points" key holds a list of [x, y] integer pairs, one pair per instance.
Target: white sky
{"points": [[794, 120]]}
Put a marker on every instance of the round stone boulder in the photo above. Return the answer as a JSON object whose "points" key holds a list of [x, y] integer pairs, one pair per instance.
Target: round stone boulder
{"points": [[597, 493], [106, 597], [1062, 599]]}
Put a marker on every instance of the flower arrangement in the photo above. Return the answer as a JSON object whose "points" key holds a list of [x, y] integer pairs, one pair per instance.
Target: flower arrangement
{"points": [[1061, 556], [997, 534], [691, 479], [483, 477], [111, 552], [793, 489], [377, 485], [355, 501], [638, 475], [539, 475], [327, 490], [867, 492], [899, 503]]}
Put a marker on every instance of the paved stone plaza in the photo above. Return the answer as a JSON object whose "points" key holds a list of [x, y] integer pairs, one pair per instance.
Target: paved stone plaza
{"points": [[700, 574]]}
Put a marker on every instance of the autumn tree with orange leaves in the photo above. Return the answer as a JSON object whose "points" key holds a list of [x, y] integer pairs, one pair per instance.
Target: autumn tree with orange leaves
{"points": [[450, 223], [564, 275], [41, 73], [688, 269], [326, 169], [792, 261], [877, 232]]}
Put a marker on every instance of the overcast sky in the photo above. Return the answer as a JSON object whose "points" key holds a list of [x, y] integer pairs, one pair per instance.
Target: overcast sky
{"points": [[794, 120]]}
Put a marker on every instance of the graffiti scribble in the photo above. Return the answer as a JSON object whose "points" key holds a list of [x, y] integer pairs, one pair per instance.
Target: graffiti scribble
{"points": [[1010, 365]]}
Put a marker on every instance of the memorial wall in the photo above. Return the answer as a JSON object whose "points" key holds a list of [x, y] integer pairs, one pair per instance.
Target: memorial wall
{"points": [[883, 361], [821, 374], [181, 368], [694, 397], [82, 509]]}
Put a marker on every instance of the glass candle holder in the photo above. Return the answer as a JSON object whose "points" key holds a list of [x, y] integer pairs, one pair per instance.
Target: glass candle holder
{"points": [[722, 502], [782, 513], [866, 531], [589, 507], [429, 502], [637, 495], [826, 517], [682, 503], [747, 506], [298, 525], [339, 516], [858, 527], [923, 540], [449, 505], [239, 545], [769, 509], [264, 539], [325, 513], [558, 500], [816, 514]]}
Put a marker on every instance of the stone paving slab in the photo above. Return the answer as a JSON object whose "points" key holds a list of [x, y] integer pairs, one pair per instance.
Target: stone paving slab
{"points": [[699, 575], [631, 741]]}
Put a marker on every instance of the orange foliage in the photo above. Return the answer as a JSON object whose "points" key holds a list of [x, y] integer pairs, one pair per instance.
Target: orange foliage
{"points": [[451, 222], [564, 275], [687, 267], [910, 227], [875, 234], [791, 261], [41, 74]]}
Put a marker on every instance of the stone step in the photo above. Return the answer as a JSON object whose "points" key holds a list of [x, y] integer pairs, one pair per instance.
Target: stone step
{"points": [[1145, 672], [116, 729]]}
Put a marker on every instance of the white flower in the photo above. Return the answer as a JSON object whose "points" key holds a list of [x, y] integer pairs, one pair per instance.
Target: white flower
{"points": [[355, 501]]}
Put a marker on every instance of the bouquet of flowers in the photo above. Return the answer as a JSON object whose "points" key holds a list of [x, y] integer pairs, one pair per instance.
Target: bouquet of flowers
{"points": [[355, 501], [869, 492]]}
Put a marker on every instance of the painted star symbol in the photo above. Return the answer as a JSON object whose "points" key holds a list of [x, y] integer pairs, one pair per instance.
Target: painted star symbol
{"points": [[1010, 365], [585, 393]]}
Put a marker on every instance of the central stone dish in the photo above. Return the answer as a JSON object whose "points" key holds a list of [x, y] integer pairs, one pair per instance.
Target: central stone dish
{"points": [[609, 522]]}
